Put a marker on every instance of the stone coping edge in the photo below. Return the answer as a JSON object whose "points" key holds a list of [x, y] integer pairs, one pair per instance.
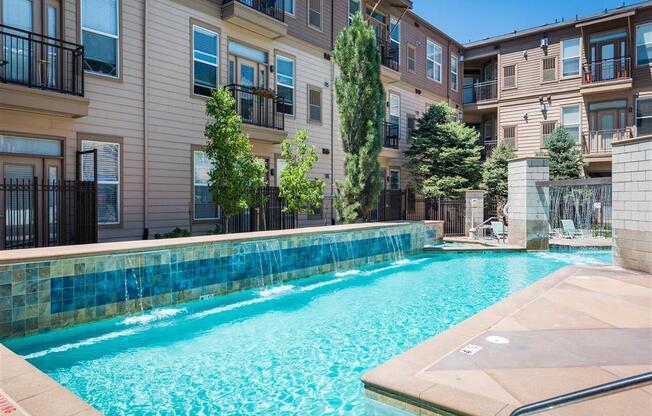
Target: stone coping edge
{"points": [[404, 386], [639, 139], [49, 253]]}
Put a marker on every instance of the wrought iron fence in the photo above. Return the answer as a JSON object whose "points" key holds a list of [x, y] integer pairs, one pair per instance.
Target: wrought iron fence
{"points": [[47, 213], [268, 217], [599, 141], [397, 205], [390, 135], [272, 8], [258, 106], [38, 61], [481, 91], [606, 70], [389, 54]]}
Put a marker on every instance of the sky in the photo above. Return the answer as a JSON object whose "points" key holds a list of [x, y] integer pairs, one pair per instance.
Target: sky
{"points": [[470, 20]]}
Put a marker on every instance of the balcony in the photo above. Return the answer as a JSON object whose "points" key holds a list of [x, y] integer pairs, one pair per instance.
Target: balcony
{"points": [[481, 96], [606, 76], [265, 17], [599, 142], [41, 74], [261, 111], [389, 60], [390, 135]]}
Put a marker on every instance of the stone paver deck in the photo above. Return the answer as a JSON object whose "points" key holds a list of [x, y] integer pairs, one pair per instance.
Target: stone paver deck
{"points": [[576, 328]]}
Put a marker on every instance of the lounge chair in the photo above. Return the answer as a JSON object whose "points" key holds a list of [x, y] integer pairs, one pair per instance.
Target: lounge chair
{"points": [[569, 229], [498, 230], [552, 233]]}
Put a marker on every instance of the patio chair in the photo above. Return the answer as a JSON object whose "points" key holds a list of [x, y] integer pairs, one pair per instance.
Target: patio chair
{"points": [[552, 233], [569, 230], [498, 230]]}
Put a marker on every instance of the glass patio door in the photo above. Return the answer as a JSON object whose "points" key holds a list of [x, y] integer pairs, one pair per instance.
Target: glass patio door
{"points": [[247, 79], [18, 14], [52, 60]]}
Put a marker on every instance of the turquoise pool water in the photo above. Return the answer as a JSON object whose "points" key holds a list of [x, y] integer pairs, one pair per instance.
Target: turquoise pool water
{"points": [[295, 349]]}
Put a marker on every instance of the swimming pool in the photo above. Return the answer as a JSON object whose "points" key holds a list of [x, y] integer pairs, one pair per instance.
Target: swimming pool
{"points": [[295, 349]]}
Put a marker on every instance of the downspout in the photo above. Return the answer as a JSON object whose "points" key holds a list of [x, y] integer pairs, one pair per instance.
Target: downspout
{"points": [[332, 110], [145, 123], [448, 76]]}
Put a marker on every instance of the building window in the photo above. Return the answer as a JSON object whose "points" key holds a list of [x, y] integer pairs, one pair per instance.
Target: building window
{"points": [[644, 116], [288, 6], [570, 120], [644, 44], [394, 179], [411, 58], [411, 126], [548, 69], [570, 57], [509, 76], [454, 77], [314, 14], [354, 7], [100, 36], [203, 206], [108, 178], [395, 37], [395, 110], [433, 61], [509, 136], [205, 55], [314, 104], [547, 127], [285, 82]]}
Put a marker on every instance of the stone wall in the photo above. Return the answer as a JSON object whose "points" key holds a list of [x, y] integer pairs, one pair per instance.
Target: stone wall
{"points": [[528, 211], [632, 203], [55, 287]]}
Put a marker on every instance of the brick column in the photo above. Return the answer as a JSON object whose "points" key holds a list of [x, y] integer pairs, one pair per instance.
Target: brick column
{"points": [[474, 210], [528, 204], [632, 203]]}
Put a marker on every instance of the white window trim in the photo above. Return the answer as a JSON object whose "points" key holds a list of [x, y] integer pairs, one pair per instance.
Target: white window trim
{"points": [[457, 72], [398, 97], [110, 35], [397, 170], [312, 88], [118, 182], [294, 81], [579, 116], [636, 45], [294, 8], [321, 16], [563, 58], [348, 6], [434, 61], [194, 184], [217, 65], [636, 118], [407, 58]]}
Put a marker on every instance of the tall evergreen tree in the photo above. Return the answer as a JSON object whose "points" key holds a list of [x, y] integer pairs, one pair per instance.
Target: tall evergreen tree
{"points": [[494, 174], [360, 100], [236, 177], [566, 160], [444, 154]]}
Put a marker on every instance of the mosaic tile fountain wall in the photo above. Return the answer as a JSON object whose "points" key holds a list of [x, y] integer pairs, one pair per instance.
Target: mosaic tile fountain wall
{"points": [[39, 296]]}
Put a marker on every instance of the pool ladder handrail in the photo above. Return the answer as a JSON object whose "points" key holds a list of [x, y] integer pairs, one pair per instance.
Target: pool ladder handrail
{"points": [[475, 229], [589, 393]]}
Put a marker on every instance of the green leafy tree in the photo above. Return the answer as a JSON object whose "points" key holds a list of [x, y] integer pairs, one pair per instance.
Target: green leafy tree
{"points": [[494, 175], [444, 154], [360, 101], [236, 176], [566, 160], [301, 193]]}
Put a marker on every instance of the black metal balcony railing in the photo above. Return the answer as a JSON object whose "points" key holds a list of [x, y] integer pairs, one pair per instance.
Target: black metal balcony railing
{"points": [[606, 70], [258, 106], [599, 141], [481, 91], [390, 135], [272, 8], [389, 54], [38, 61]]}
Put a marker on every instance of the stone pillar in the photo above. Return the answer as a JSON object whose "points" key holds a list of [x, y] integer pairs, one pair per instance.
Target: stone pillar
{"points": [[632, 203], [528, 204], [474, 210]]}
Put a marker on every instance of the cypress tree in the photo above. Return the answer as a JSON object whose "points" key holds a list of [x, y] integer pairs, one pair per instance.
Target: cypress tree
{"points": [[566, 160]]}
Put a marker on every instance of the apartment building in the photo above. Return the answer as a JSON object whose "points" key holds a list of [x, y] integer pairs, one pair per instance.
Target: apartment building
{"points": [[590, 75], [128, 79]]}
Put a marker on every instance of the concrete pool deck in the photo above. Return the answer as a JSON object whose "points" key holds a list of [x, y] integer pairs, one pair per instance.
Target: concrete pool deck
{"points": [[575, 328]]}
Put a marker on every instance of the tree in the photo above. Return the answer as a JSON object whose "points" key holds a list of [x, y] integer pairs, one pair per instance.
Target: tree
{"points": [[301, 194], [444, 154], [236, 176], [566, 160], [494, 175], [361, 106]]}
